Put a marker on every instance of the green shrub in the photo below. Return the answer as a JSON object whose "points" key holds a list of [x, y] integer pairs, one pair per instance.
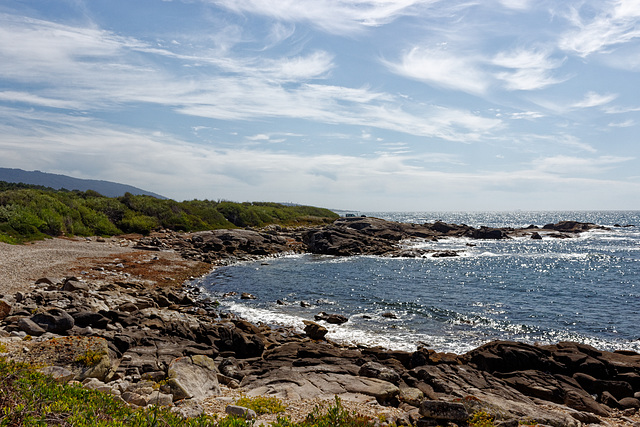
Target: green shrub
{"points": [[138, 223], [262, 405], [481, 419], [90, 358], [333, 416], [33, 212]]}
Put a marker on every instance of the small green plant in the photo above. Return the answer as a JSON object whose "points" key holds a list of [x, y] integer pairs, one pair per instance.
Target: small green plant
{"points": [[90, 358], [3, 348], [262, 405], [481, 419], [333, 416]]}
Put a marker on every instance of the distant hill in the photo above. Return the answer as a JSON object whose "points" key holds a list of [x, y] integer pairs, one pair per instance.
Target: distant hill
{"points": [[106, 188]]}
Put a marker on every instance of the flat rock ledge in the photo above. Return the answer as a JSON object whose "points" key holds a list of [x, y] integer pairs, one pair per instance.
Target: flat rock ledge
{"points": [[166, 346]]}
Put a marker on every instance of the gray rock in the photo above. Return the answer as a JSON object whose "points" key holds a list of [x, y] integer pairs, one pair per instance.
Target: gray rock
{"points": [[309, 382], [507, 423], [134, 398], [96, 384], [188, 408], [193, 377], [240, 411], [440, 410], [160, 399], [59, 373], [30, 327], [89, 318], [230, 368], [411, 395], [73, 286], [377, 370], [45, 281], [54, 320]]}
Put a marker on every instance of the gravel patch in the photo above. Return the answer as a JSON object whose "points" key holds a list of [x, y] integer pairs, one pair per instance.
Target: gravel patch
{"points": [[22, 265]]}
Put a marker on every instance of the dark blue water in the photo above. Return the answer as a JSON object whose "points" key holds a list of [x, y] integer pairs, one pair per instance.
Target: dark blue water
{"points": [[584, 289]]}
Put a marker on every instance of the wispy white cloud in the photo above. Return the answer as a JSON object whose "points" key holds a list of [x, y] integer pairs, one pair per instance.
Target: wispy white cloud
{"points": [[441, 67], [155, 161], [457, 68], [333, 16], [519, 5], [625, 124], [527, 115], [610, 109], [128, 71], [569, 140], [615, 23], [254, 92], [579, 165], [531, 69], [593, 99], [32, 99]]}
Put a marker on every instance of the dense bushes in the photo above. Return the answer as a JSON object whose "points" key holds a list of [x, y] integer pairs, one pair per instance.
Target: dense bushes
{"points": [[33, 212]]}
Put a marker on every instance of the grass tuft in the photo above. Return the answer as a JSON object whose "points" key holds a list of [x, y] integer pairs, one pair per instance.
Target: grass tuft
{"points": [[262, 405], [90, 358]]}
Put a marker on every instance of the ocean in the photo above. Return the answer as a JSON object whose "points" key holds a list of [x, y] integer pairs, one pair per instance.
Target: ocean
{"points": [[584, 289]]}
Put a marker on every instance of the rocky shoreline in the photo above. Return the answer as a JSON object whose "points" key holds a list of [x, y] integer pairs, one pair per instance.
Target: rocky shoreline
{"points": [[153, 342]]}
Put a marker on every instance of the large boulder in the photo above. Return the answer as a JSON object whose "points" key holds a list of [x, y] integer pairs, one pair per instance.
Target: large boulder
{"points": [[230, 337], [509, 356], [90, 318], [193, 377], [379, 371], [440, 410], [54, 320], [30, 327]]}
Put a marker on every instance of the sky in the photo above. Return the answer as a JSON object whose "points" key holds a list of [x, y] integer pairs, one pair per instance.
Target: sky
{"points": [[366, 105]]}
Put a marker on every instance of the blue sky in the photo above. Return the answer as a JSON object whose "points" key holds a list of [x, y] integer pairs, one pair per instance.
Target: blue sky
{"points": [[370, 105]]}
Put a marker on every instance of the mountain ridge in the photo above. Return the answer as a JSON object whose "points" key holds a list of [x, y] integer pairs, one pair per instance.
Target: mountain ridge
{"points": [[57, 181]]}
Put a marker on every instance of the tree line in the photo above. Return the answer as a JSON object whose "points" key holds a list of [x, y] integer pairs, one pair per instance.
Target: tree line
{"points": [[31, 212]]}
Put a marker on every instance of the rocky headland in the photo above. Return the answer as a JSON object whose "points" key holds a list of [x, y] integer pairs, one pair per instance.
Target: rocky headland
{"points": [[129, 325]]}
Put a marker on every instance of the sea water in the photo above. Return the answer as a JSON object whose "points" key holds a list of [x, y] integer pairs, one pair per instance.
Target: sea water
{"points": [[584, 289]]}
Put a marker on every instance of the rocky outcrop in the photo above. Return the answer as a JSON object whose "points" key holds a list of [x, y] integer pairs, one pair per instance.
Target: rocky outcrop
{"points": [[179, 347], [374, 236], [220, 246], [344, 237]]}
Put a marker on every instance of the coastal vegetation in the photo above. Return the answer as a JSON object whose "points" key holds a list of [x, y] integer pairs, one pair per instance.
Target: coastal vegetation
{"points": [[29, 212], [29, 398]]}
